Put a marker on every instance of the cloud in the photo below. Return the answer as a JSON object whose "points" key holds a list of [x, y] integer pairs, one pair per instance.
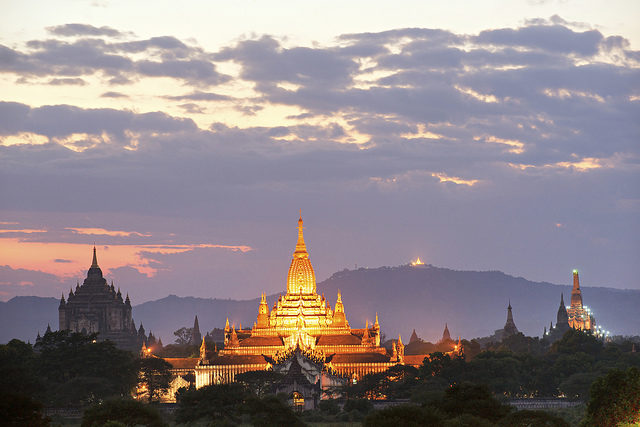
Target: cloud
{"points": [[164, 57], [62, 260], [200, 96], [65, 120], [67, 81], [192, 108], [103, 232], [111, 94], [473, 138], [554, 38], [69, 30]]}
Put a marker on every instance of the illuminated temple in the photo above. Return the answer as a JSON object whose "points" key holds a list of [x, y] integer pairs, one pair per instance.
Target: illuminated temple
{"points": [[300, 326], [576, 316], [579, 316]]}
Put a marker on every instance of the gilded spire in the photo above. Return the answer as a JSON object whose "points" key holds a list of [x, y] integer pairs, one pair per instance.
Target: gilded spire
{"points": [[576, 293], [203, 350], [301, 279], [301, 248]]}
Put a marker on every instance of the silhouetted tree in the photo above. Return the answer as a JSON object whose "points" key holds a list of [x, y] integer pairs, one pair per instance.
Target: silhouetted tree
{"points": [[615, 399], [259, 382], [404, 415], [271, 411], [18, 369], [473, 399], [532, 418], [155, 374], [214, 403], [127, 412], [20, 410], [183, 336], [77, 369], [576, 341]]}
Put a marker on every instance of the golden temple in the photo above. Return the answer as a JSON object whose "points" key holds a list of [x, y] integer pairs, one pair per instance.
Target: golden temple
{"points": [[300, 319]]}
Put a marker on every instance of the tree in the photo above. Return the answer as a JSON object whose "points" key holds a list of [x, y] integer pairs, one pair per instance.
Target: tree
{"points": [[271, 411], [615, 399], [183, 336], [532, 418], [473, 399], [20, 410], [17, 369], [155, 375], [218, 403], [69, 359], [404, 415], [259, 382], [444, 366], [575, 341], [125, 412]]}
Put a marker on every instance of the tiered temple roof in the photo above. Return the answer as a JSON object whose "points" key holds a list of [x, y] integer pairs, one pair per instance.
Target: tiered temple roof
{"points": [[96, 306], [302, 319]]}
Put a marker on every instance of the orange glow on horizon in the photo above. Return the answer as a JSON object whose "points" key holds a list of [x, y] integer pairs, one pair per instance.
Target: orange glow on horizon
{"points": [[66, 260]]}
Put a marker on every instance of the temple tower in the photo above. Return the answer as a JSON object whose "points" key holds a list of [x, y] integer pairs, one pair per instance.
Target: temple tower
{"points": [[510, 326], [97, 307], [196, 336], [576, 294], [301, 278], [263, 313]]}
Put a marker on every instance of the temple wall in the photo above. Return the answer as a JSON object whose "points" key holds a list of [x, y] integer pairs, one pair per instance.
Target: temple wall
{"points": [[223, 374]]}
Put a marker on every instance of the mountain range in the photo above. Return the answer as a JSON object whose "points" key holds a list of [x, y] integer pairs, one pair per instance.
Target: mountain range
{"points": [[424, 298]]}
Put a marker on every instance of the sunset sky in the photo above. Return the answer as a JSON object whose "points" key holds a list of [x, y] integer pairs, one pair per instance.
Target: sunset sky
{"points": [[182, 138]]}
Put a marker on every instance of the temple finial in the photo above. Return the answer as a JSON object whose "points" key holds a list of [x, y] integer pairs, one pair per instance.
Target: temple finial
{"points": [[301, 248], [94, 264]]}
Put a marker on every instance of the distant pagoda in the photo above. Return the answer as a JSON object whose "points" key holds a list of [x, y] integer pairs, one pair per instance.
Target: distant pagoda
{"points": [[98, 307], [579, 317], [576, 316]]}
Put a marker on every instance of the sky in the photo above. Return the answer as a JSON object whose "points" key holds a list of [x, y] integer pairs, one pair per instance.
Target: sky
{"points": [[183, 142]]}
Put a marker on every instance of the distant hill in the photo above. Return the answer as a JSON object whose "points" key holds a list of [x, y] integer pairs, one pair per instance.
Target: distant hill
{"points": [[23, 317], [423, 298]]}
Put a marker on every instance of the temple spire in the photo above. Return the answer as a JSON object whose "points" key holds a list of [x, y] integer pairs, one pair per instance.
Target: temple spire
{"points": [[94, 263], [576, 294], [301, 248]]}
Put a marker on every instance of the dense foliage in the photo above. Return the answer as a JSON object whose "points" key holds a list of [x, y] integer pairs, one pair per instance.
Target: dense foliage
{"points": [[565, 369], [66, 369], [615, 399], [154, 376], [232, 404], [126, 412]]}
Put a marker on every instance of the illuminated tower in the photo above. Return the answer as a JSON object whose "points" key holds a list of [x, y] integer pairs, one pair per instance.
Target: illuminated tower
{"points": [[301, 278], [579, 317], [263, 313], [576, 294]]}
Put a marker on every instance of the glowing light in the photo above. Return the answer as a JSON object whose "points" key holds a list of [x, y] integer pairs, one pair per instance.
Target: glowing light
{"points": [[456, 180], [418, 261], [517, 147], [104, 232], [575, 271]]}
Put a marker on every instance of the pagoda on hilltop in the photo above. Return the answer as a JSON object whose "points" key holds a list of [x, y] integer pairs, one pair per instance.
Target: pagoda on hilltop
{"points": [[300, 322], [96, 307]]}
